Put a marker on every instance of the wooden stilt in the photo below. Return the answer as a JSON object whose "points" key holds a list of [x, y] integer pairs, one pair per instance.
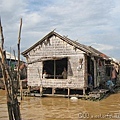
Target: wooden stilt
{"points": [[18, 70], [53, 91], [28, 89], [21, 90], [84, 91], [41, 90], [68, 92]]}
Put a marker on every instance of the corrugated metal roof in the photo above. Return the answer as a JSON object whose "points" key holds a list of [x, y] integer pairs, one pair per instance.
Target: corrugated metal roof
{"points": [[10, 56]]}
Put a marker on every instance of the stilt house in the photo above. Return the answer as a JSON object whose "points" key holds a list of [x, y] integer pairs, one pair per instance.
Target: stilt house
{"points": [[54, 54]]}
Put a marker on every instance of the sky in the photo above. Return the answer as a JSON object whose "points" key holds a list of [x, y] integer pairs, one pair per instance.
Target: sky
{"points": [[94, 23]]}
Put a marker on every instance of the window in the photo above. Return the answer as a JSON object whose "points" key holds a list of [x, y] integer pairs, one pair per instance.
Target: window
{"points": [[54, 68]]}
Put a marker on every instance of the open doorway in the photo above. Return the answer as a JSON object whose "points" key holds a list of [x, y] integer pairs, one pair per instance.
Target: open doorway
{"points": [[54, 68], [90, 69]]}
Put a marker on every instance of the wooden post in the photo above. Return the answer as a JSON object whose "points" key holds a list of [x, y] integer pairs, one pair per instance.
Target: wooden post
{"points": [[95, 73], [9, 79], [41, 87], [41, 90], [84, 91], [53, 91], [68, 92], [14, 55], [54, 68], [20, 82], [2, 38]]}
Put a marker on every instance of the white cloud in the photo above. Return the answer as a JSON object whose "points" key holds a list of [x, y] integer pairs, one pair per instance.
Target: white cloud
{"points": [[103, 47], [89, 21]]}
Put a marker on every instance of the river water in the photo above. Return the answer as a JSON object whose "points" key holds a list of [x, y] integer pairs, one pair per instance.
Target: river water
{"points": [[50, 108]]}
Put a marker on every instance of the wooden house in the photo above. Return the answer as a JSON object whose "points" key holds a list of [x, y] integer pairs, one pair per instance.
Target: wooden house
{"points": [[54, 54]]}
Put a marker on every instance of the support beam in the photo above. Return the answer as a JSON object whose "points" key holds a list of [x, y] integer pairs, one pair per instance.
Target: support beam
{"points": [[41, 90], [68, 92], [84, 91], [53, 91]]}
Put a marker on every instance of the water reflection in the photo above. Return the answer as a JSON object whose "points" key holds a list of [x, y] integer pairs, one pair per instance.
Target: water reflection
{"points": [[48, 108]]}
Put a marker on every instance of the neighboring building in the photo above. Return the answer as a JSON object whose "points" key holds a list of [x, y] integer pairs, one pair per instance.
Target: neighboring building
{"points": [[53, 54], [11, 60]]}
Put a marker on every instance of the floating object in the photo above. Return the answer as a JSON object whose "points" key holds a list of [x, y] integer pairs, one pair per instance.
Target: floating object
{"points": [[74, 98]]}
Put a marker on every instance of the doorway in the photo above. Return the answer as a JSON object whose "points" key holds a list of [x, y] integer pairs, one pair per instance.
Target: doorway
{"points": [[90, 68]]}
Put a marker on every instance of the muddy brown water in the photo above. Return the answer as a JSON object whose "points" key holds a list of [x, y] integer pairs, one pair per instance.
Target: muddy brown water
{"points": [[50, 108]]}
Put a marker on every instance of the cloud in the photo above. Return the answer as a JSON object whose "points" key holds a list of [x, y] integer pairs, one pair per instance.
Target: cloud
{"points": [[107, 49], [103, 47], [87, 21]]}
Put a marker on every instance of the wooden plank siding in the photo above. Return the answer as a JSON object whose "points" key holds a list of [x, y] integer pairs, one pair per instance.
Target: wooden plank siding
{"points": [[56, 48]]}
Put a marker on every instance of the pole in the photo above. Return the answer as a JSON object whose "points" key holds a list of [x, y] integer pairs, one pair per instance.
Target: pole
{"points": [[11, 88], [41, 87], [20, 82], [1, 32], [54, 69]]}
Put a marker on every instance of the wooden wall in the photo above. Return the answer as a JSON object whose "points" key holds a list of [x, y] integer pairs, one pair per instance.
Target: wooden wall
{"points": [[34, 73], [55, 47], [101, 73]]}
